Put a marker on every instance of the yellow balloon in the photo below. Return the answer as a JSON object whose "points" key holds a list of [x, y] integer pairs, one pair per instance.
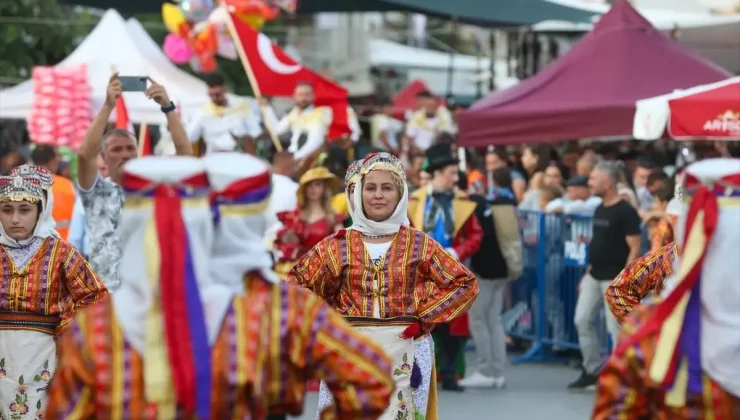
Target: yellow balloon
{"points": [[253, 20], [173, 17]]}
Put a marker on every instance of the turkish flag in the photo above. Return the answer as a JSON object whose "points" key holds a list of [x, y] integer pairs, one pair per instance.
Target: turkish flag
{"points": [[276, 74]]}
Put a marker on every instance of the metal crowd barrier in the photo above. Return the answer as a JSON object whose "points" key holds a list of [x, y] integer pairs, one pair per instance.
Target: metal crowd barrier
{"points": [[541, 304]]}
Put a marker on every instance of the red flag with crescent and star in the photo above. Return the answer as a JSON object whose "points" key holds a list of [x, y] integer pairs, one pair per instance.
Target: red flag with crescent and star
{"points": [[276, 74]]}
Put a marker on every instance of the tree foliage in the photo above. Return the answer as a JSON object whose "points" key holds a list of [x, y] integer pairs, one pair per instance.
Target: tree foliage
{"points": [[35, 35]]}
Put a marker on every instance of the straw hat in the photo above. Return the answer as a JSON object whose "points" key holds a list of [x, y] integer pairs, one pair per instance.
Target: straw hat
{"points": [[319, 173]]}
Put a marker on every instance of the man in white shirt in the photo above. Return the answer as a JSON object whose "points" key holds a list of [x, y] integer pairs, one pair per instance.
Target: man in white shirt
{"points": [[308, 124], [385, 130], [427, 123], [222, 123]]}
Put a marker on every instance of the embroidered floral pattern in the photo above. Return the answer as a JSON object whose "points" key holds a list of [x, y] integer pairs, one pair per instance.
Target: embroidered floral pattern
{"points": [[405, 368], [19, 407], [2, 368], [43, 376], [40, 412], [28, 402], [403, 407]]}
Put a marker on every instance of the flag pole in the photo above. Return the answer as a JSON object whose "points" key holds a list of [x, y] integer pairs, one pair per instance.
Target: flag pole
{"points": [[252, 80]]}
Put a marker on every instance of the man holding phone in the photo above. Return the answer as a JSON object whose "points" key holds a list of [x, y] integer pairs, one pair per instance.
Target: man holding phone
{"points": [[102, 198]]}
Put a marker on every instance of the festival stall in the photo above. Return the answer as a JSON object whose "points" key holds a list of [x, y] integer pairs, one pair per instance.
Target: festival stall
{"points": [[704, 112], [591, 91]]}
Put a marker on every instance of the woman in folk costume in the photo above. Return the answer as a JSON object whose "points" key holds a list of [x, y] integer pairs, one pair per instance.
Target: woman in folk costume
{"points": [[680, 359], [44, 281], [391, 281], [311, 221], [292, 331]]}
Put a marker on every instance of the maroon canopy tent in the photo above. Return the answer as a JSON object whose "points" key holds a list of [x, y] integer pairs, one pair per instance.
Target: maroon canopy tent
{"points": [[591, 90]]}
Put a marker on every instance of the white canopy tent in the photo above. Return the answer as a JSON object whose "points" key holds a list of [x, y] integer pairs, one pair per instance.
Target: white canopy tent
{"points": [[113, 44], [432, 67]]}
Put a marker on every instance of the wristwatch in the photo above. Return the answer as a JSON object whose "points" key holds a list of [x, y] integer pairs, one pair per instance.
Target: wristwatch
{"points": [[169, 108]]}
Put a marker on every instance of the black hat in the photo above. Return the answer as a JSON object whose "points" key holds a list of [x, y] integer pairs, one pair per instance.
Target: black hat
{"points": [[577, 181], [438, 156]]}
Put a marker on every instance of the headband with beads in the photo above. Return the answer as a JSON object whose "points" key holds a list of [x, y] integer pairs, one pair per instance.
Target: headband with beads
{"points": [[382, 161]]}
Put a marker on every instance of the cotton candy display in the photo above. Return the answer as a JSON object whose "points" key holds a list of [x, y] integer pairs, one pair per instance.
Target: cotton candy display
{"points": [[61, 106]]}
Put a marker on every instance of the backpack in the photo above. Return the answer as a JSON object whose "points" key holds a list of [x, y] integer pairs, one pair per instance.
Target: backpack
{"points": [[509, 239]]}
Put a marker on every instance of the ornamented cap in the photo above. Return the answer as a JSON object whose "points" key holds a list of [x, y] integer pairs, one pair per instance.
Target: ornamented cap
{"points": [[45, 178], [21, 188], [383, 161], [353, 172]]}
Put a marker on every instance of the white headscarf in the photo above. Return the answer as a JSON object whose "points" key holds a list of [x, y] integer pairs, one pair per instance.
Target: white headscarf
{"points": [[390, 226], [239, 245], [45, 225], [133, 300]]}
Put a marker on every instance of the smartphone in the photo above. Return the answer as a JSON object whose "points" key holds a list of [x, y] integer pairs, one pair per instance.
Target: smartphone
{"points": [[132, 83]]}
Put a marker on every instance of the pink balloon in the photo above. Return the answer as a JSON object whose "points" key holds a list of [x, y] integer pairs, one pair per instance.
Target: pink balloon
{"points": [[177, 49]]}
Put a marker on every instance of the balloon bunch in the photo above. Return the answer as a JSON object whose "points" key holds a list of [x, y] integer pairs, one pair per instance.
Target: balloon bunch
{"points": [[199, 29]]}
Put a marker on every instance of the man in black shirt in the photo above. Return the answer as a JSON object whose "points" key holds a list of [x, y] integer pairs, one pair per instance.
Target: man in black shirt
{"points": [[615, 242]]}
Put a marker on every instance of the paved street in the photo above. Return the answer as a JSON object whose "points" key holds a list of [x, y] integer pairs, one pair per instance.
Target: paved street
{"points": [[533, 392]]}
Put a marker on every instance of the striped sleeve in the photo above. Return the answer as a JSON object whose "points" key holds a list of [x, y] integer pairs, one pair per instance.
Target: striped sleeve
{"points": [[356, 370], [312, 271], [82, 283], [70, 391], [621, 392], [643, 275], [455, 287]]}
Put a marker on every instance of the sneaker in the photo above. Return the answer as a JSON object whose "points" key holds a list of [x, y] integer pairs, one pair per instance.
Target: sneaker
{"points": [[586, 382], [478, 380], [499, 382]]}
